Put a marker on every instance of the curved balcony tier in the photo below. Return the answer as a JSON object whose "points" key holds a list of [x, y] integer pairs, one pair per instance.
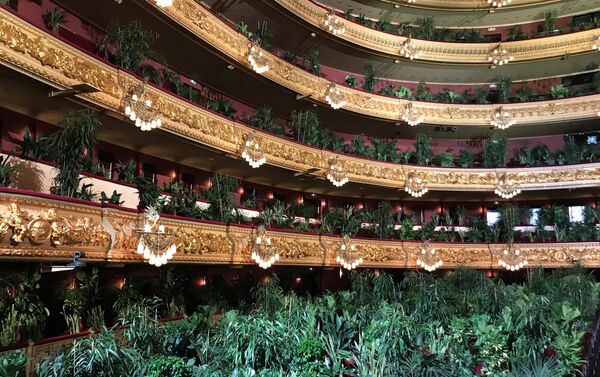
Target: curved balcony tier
{"points": [[46, 58], [49, 228]]}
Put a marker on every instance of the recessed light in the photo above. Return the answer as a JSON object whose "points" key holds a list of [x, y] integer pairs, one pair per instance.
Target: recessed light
{"points": [[230, 67], [313, 34], [396, 6], [396, 61]]}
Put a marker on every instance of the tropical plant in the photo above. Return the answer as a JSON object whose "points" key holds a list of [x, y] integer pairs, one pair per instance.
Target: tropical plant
{"points": [[423, 151], [369, 79], [12, 364], [128, 45], [481, 95], [351, 81], [221, 199], [7, 171], [263, 35], [403, 92], [423, 93], [311, 62], [114, 198], [127, 173], [53, 19], [446, 158], [426, 28], [494, 151], [503, 85], [559, 91], [549, 25], [465, 158], [516, 33], [222, 106], [524, 93], [172, 366], [264, 119]]}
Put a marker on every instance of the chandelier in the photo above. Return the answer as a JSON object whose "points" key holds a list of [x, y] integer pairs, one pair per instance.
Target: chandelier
{"points": [[499, 3], [263, 250], [155, 245], [512, 260], [427, 258], [506, 188], [334, 24], [257, 59], [140, 111], [334, 97], [501, 119], [412, 115], [251, 151], [347, 255], [336, 173], [409, 49], [499, 56], [415, 185], [596, 46], [164, 3]]}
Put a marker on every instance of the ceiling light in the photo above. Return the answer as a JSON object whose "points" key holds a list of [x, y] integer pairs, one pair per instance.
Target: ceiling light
{"points": [[410, 50], [512, 260], [501, 119], [156, 244], [336, 173], [347, 255], [334, 97], [251, 151], [506, 188], [415, 185], [138, 107], [333, 23], [258, 60], [164, 3], [499, 56], [412, 115], [498, 3], [264, 252], [427, 258]]}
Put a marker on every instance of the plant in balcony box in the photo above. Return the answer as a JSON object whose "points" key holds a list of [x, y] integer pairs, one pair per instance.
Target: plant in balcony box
{"points": [[264, 119], [128, 45], [387, 90], [127, 172], [423, 151], [559, 91], [542, 155], [361, 19], [426, 28], [263, 35], [14, 4], [423, 93], [516, 33], [222, 106], [481, 95], [524, 93], [221, 199], [290, 57], [384, 150], [351, 81], [54, 18], [494, 151], [305, 127], [573, 153], [311, 62], [369, 79], [525, 157], [181, 202], [403, 92], [172, 366], [465, 158], [243, 28], [7, 171], [85, 193], [503, 85], [114, 198], [12, 364], [446, 158], [385, 25]]}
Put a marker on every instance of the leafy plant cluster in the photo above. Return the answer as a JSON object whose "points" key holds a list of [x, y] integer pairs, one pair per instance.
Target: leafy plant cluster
{"points": [[464, 324]]}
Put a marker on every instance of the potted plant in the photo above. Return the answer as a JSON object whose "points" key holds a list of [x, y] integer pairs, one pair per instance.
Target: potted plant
{"points": [[53, 19]]}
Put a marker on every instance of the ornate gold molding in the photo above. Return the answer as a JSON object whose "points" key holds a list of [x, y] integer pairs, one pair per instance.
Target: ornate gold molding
{"points": [[46, 229], [43, 57], [447, 52], [211, 29], [467, 4]]}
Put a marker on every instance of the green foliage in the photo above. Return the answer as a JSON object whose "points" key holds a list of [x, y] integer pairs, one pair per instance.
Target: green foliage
{"points": [[53, 19], [148, 192], [449, 96], [221, 199], [369, 78], [516, 33], [71, 149], [494, 151], [446, 158], [222, 106], [524, 93], [128, 45], [549, 22], [263, 35], [423, 151], [114, 198], [12, 364], [269, 296], [465, 158], [167, 366], [351, 81], [403, 92], [469, 35], [311, 62], [264, 119], [181, 202], [7, 171], [127, 173], [423, 93], [503, 85], [481, 95], [559, 91], [143, 331], [426, 28]]}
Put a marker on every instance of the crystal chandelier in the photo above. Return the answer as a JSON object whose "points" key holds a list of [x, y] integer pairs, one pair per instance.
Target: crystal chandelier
{"points": [[512, 260], [499, 3], [506, 188], [164, 3], [334, 97], [499, 56], [336, 173], [263, 250], [251, 151], [596, 46], [139, 109], [410, 50], [415, 185], [334, 24], [347, 255], [257, 59], [427, 258], [501, 119], [412, 115], [156, 244]]}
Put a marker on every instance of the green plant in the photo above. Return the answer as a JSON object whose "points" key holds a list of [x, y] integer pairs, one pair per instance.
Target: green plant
{"points": [[465, 158], [426, 28], [351, 81], [516, 33], [549, 25], [449, 96], [148, 192], [264, 119], [143, 331], [559, 91], [221, 199], [494, 151], [524, 93], [71, 149], [7, 171], [128, 44], [243, 28], [446, 158], [311, 62], [167, 366], [503, 85], [481, 95], [54, 18], [369, 78], [14, 4], [263, 35], [269, 295], [85, 192], [115, 198], [127, 173], [385, 25], [222, 106], [403, 92], [423, 151], [12, 364], [423, 93]]}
